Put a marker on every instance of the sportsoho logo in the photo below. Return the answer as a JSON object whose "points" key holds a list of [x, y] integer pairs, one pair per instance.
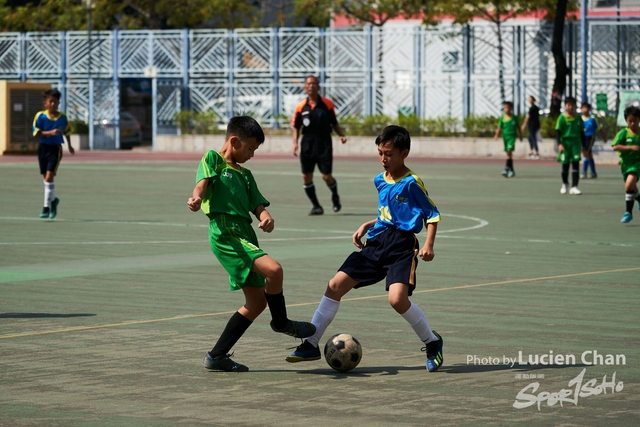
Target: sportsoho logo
{"points": [[577, 387]]}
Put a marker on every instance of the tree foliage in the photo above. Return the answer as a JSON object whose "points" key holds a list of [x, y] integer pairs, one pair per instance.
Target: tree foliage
{"points": [[59, 15], [493, 11]]}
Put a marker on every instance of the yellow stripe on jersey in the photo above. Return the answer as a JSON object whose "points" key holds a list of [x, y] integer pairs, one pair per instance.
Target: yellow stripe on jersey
{"points": [[421, 185]]}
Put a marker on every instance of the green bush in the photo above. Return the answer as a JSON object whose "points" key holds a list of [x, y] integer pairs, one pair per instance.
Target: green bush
{"points": [[480, 126], [372, 125], [365, 125], [440, 126], [610, 125], [79, 127], [194, 123], [412, 123]]}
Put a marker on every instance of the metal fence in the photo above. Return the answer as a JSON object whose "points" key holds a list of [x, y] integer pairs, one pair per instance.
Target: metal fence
{"points": [[432, 72]]}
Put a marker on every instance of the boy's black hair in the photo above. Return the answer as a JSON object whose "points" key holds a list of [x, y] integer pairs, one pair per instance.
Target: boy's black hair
{"points": [[586, 104], [245, 127], [52, 93], [396, 134], [532, 97], [570, 100], [509, 103], [632, 110], [311, 76]]}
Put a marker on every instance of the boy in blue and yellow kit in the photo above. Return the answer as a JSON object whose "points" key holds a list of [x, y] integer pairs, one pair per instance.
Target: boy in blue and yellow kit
{"points": [[50, 125], [391, 249]]}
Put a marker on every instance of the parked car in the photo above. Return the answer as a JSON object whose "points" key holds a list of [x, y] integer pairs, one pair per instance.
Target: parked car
{"points": [[130, 131]]}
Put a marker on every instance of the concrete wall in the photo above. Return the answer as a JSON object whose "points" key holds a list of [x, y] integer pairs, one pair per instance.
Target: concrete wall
{"points": [[365, 146]]}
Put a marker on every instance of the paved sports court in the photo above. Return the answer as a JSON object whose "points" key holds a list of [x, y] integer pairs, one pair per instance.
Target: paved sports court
{"points": [[107, 311]]}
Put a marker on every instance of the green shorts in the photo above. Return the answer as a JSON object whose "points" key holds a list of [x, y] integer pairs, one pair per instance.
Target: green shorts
{"points": [[509, 144], [629, 169], [235, 244], [572, 152]]}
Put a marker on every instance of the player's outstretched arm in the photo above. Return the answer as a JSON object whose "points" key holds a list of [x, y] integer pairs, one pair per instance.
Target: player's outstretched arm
{"points": [[71, 149], [361, 232], [195, 201], [267, 223], [426, 252]]}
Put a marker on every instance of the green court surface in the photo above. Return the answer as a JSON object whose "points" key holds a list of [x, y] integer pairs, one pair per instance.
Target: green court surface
{"points": [[107, 311]]}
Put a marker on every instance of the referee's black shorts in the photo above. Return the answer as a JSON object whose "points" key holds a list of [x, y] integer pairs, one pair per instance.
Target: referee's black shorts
{"points": [[49, 156], [315, 150], [392, 254]]}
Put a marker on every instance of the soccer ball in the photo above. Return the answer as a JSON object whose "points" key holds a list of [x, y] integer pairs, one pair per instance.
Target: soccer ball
{"points": [[342, 352]]}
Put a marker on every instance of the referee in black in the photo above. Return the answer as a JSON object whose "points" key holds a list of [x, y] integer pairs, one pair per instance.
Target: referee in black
{"points": [[315, 118]]}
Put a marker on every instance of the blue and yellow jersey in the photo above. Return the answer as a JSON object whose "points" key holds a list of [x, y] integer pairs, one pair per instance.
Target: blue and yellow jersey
{"points": [[403, 204], [590, 126], [43, 122]]}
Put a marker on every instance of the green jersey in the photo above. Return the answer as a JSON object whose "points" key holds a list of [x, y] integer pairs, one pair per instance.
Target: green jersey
{"points": [[625, 137], [230, 191], [571, 128], [509, 126]]}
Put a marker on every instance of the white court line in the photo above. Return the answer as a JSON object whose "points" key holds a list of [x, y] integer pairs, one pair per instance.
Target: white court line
{"points": [[481, 223], [161, 242]]}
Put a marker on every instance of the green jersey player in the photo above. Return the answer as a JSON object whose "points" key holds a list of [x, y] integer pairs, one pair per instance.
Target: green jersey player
{"points": [[227, 193], [627, 144]]}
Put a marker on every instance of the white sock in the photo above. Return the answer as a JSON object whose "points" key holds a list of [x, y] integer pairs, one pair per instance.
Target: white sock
{"points": [[418, 321], [323, 317], [48, 193]]}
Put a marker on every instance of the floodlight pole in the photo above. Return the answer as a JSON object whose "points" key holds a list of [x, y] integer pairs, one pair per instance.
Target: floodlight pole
{"points": [[89, 5]]}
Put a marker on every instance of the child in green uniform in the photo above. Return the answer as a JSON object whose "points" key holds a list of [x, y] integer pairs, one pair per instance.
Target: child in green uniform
{"points": [[508, 124], [227, 193], [627, 144], [569, 135]]}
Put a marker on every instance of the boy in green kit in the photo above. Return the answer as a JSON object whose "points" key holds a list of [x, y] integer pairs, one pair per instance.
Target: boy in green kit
{"points": [[508, 124], [569, 135], [627, 144], [227, 193]]}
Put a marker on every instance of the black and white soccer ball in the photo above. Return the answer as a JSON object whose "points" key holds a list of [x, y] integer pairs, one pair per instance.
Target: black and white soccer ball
{"points": [[343, 352]]}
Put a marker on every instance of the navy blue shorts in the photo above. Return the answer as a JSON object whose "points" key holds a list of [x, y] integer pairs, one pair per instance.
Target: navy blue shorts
{"points": [[587, 142], [392, 254], [49, 157], [314, 151]]}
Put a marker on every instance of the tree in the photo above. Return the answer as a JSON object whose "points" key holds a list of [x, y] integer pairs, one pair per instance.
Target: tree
{"points": [[557, 48], [374, 12], [494, 11], [66, 15]]}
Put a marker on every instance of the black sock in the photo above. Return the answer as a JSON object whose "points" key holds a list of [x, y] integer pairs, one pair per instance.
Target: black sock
{"points": [[278, 309], [629, 198], [636, 195], [310, 189], [236, 327], [575, 174], [334, 188], [565, 174], [510, 164]]}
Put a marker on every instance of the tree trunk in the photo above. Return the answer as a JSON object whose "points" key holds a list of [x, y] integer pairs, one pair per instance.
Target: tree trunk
{"points": [[500, 57], [557, 48]]}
